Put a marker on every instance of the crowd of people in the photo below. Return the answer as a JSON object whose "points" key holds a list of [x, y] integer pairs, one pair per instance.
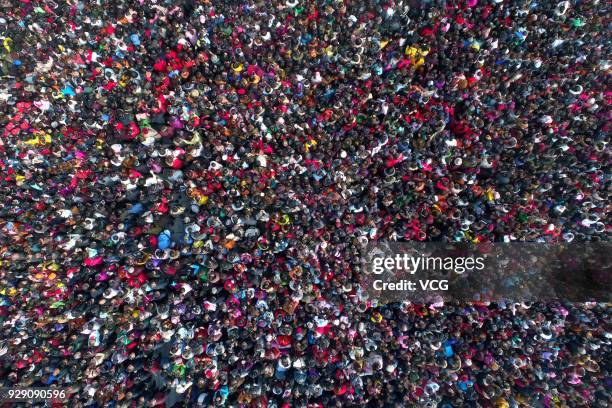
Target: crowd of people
{"points": [[187, 187]]}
